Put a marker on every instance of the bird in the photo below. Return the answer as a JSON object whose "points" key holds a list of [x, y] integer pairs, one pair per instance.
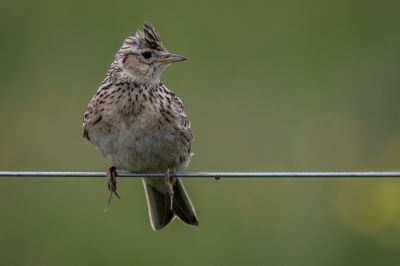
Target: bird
{"points": [[140, 125]]}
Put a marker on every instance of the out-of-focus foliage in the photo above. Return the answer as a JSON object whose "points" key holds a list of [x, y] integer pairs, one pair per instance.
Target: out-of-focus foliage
{"points": [[270, 86]]}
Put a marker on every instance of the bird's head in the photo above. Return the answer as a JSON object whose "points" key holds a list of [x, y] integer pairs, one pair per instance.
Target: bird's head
{"points": [[143, 57]]}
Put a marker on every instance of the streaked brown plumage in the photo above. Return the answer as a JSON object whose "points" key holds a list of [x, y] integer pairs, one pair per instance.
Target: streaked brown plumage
{"points": [[141, 126]]}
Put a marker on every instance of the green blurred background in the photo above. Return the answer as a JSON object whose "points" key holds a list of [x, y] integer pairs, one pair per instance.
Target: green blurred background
{"points": [[270, 86]]}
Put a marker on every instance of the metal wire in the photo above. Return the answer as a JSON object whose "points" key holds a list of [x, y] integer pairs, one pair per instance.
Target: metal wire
{"points": [[217, 175]]}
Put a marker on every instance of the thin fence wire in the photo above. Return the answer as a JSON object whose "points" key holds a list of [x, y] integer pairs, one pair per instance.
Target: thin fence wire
{"points": [[216, 175]]}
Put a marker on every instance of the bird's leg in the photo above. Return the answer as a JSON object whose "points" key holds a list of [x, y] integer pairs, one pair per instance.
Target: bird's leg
{"points": [[169, 186], [112, 183]]}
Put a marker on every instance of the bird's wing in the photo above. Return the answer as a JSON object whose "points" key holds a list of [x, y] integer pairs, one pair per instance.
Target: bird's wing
{"points": [[93, 114], [183, 122]]}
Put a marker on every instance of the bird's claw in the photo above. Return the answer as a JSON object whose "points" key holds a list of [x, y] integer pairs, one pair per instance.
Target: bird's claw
{"points": [[112, 184], [169, 187]]}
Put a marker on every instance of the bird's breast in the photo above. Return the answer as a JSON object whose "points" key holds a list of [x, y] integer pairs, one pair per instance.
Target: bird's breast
{"points": [[138, 140]]}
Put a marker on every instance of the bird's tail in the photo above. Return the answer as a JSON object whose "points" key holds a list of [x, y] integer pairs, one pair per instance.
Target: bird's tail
{"points": [[158, 204]]}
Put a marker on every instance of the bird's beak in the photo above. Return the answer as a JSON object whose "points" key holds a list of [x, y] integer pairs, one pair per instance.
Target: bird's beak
{"points": [[170, 58]]}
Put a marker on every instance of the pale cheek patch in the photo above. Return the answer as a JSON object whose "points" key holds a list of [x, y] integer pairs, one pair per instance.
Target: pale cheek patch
{"points": [[135, 66]]}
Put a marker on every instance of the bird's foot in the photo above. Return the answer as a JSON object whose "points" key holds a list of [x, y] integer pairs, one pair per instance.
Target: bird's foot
{"points": [[169, 186], [112, 184]]}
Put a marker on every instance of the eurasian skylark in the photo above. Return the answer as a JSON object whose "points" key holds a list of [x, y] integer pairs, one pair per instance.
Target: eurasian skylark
{"points": [[136, 122]]}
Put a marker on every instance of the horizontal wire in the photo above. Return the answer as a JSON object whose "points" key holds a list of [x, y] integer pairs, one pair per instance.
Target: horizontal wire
{"points": [[217, 175]]}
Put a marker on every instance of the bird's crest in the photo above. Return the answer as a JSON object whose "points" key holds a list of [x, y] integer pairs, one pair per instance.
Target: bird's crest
{"points": [[147, 37]]}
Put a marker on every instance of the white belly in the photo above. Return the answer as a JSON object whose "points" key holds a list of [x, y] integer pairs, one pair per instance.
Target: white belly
{"points": [[141, 150], [138, 148]]}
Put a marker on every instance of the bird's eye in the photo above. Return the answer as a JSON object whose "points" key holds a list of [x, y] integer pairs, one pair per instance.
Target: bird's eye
{"points": [[146, 55]]}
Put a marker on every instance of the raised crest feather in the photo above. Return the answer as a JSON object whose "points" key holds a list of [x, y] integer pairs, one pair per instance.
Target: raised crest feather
{"points": [[149, 37]]}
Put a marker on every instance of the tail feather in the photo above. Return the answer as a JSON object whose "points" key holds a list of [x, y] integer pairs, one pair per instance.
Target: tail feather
{"points": [[182, 206], [159, 212], [158, 204]]}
